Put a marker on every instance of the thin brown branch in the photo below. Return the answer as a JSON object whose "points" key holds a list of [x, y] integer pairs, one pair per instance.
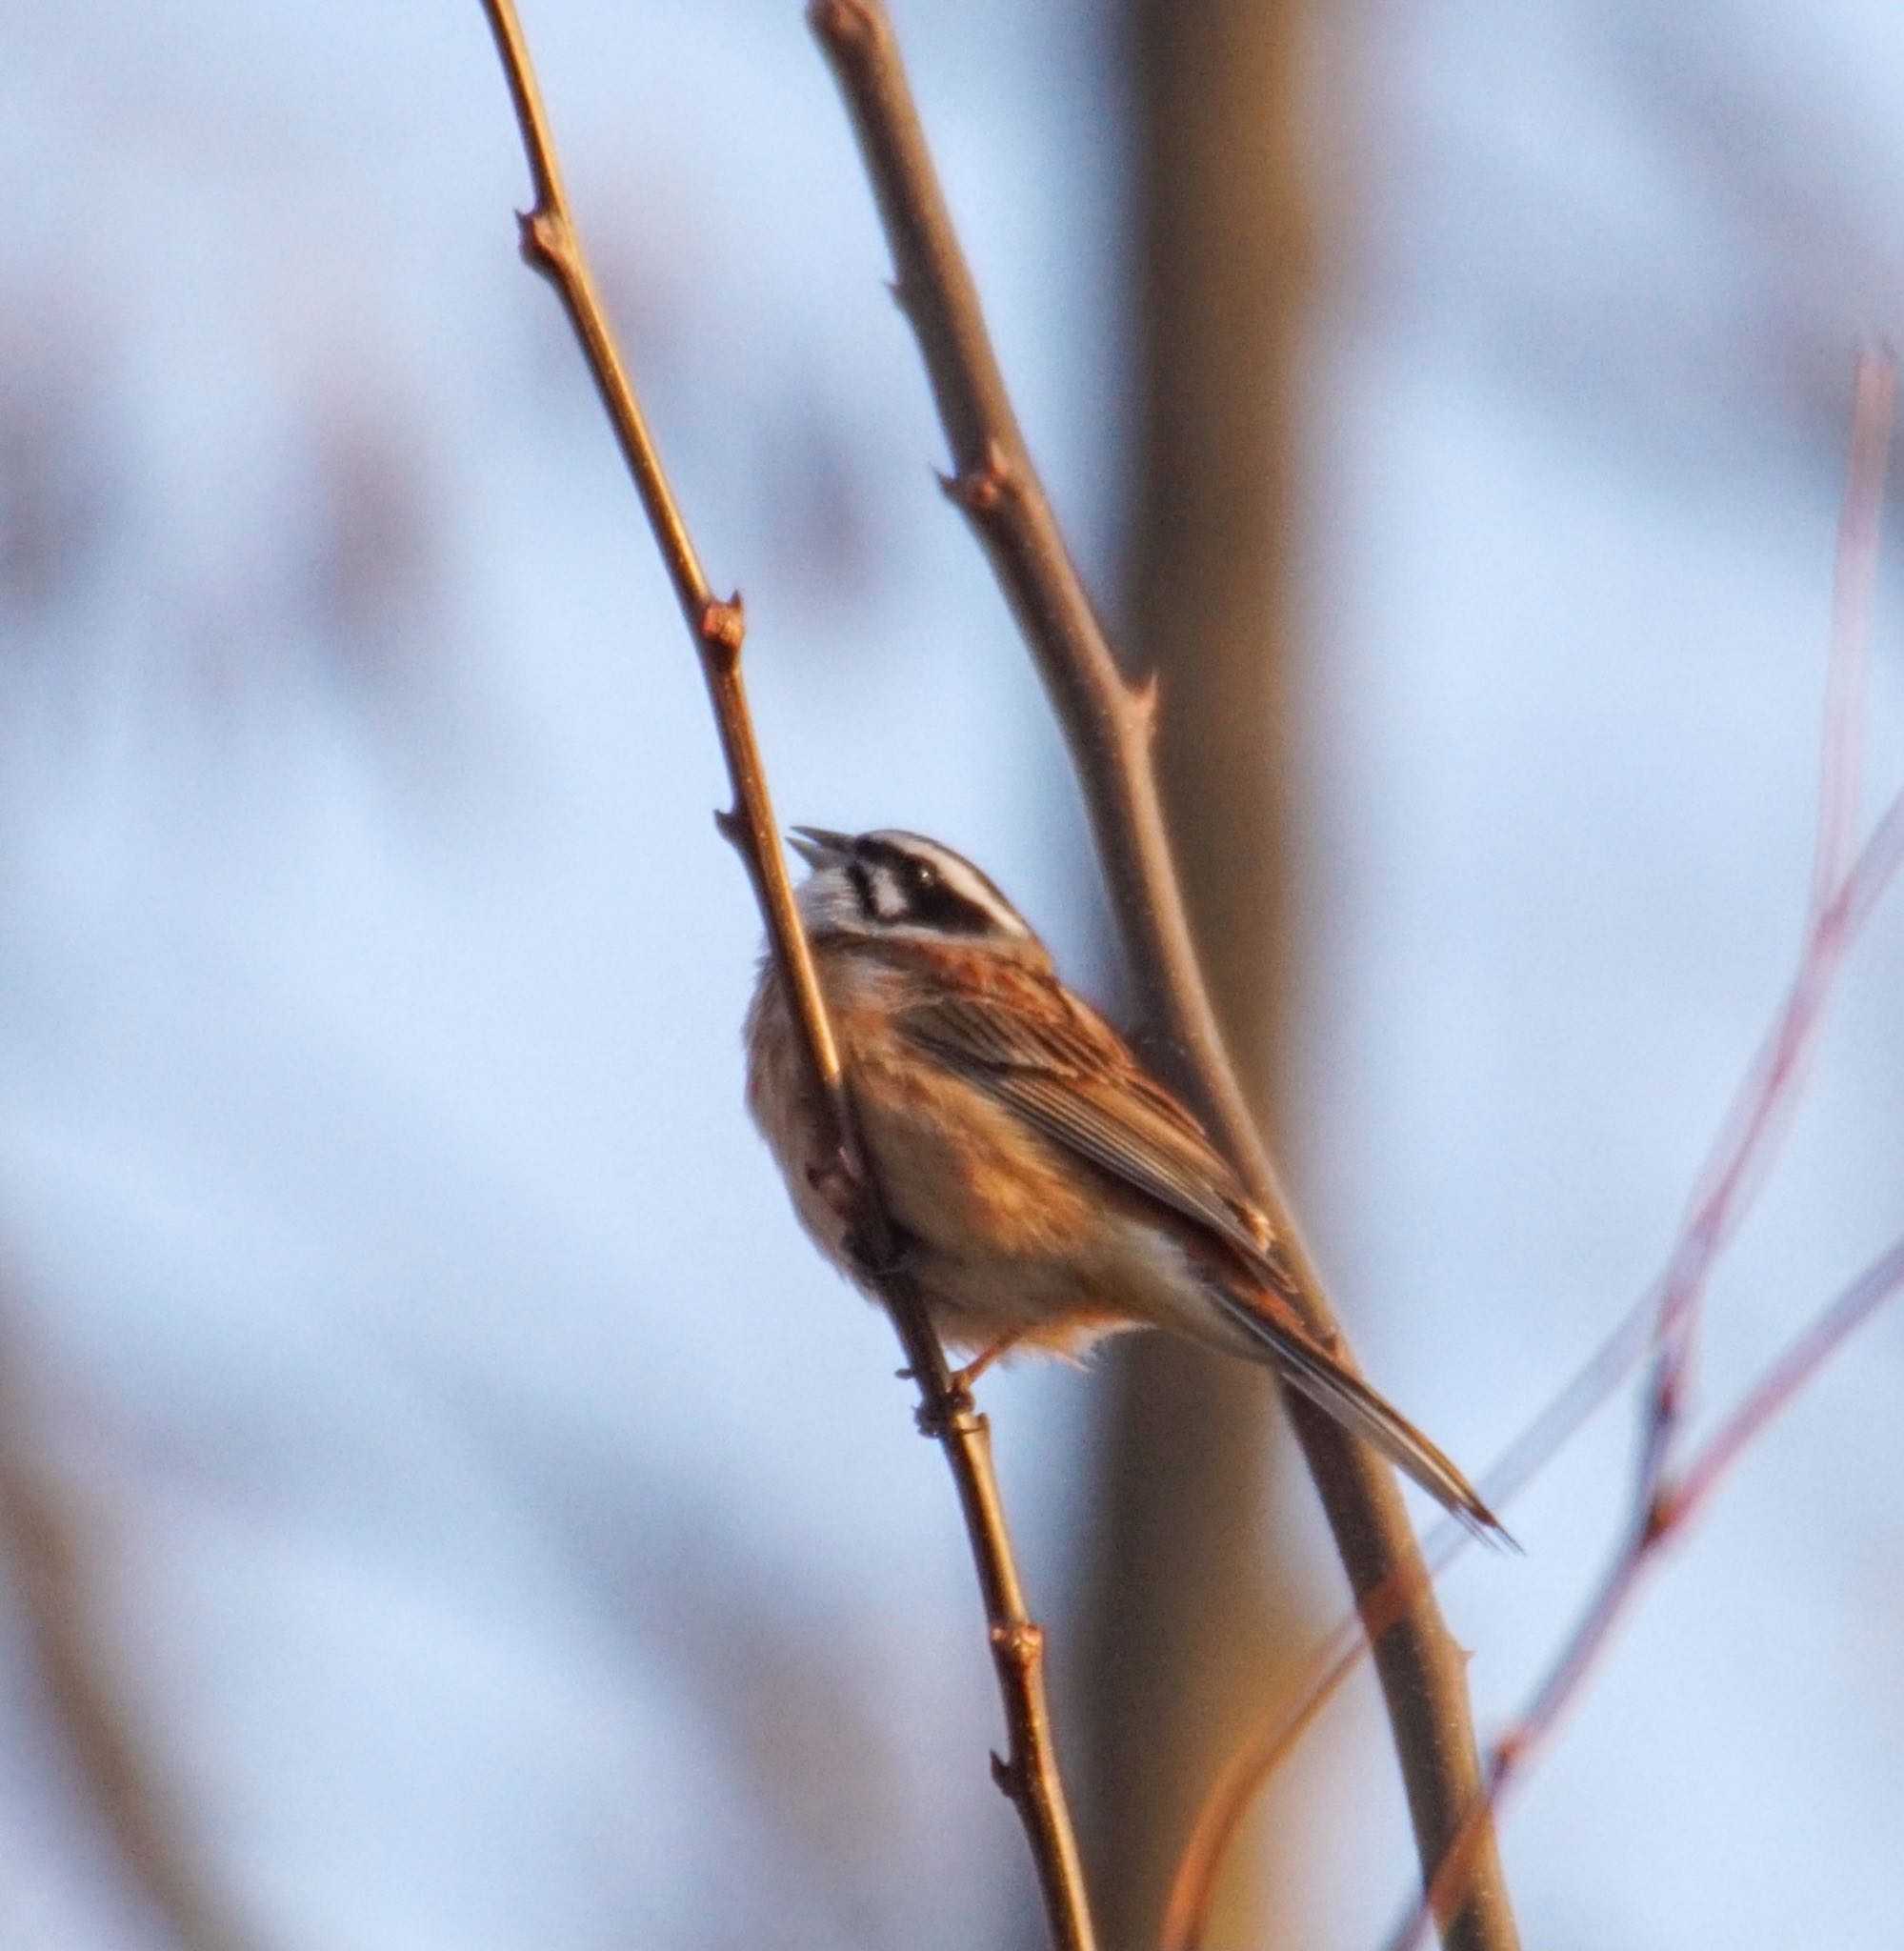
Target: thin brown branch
{"points": [[1107, 723], [1028, 1772], [1271, 1742]]}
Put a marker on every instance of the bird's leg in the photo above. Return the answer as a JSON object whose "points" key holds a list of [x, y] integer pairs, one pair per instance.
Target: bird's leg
{"points": [[934, 1417], [962, 1379]]}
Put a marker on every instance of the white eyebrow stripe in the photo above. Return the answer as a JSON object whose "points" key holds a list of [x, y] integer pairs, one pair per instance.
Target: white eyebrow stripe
{"points": [[967, 882], [961, 877]]}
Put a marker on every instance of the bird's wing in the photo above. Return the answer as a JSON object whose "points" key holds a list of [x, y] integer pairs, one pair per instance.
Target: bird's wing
{"points": [[1067, 1074]]}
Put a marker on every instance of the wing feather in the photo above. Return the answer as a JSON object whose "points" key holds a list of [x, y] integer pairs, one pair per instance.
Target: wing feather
{"points": [[1070, 1076]]}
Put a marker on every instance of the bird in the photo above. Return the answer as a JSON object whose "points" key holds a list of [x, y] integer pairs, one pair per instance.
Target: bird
{"points": [[1045, 1189]]}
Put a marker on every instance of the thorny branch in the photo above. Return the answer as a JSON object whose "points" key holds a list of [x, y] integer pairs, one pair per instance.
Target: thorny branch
{"points": [[1027, 1772], [1107, 722]]}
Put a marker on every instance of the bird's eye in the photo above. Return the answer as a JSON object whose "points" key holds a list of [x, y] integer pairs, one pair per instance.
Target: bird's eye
{"points": [[921, 876]]}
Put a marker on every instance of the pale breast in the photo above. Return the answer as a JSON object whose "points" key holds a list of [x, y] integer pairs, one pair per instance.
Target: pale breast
{"points": [[780, 1097], [961, 1171], [1008, 1234]]}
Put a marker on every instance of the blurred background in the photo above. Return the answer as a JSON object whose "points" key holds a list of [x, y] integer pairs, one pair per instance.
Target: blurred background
{"points": [[442, 1502]]}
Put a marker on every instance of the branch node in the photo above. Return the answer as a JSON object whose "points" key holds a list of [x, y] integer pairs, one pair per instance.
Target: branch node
{"points": [[951, 1415], [1021, 1641], [722, 629], [1663, 1511], [983, 488], [542, 237], [1144, 695], [1005, 1778], [842, 24]]}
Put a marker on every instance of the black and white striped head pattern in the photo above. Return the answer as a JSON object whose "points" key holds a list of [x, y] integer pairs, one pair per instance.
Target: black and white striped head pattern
{"points": [[894, 883]]}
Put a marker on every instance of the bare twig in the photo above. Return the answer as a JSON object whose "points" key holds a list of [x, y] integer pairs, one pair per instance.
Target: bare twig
{"points": [[1107, 722], [1027, 1772], [1853, 588], [1741, 1154], [1275, 1737], [1739, 1161], [1842, 892], [1668, 1492], [1677, 1501]]}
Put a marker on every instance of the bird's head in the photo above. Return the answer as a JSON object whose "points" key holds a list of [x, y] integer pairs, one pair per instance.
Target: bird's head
{"points": [[890, 883]]}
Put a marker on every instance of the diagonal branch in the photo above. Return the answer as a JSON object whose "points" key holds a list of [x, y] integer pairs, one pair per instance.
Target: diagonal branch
{"points": [[1669, 1492], [1853, 598], [1845, 891], [1027, 1772], [1680, 1497], [1107, 723], [1845, 888]]}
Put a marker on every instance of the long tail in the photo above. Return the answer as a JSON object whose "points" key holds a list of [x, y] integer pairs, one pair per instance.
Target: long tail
{"points": [[1365, 1413]]}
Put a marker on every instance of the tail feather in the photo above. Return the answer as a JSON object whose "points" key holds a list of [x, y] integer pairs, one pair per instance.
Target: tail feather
{"points": [[1365, 1413]]}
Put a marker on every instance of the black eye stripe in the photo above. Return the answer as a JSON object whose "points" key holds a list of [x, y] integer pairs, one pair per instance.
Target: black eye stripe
{"points": [[883, 853], [939, 907], [909, 878]]}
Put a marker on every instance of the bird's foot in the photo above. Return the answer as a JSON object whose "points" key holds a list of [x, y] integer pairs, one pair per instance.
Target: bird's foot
{"points": [[962, 1379]]}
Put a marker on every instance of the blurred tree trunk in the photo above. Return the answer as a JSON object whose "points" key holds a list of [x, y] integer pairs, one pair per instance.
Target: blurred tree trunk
{"points": [[1184, 1636]]}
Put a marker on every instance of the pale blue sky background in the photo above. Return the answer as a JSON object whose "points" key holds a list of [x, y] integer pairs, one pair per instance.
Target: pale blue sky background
{"points": [[515, 1537]]}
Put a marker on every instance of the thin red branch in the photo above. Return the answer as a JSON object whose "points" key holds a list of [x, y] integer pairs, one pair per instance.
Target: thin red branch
{"points": [[1741, 1154], [1768, 1093], [1668, 1491], [1029, 1771], [1781, 1383], [1677, 1504], [1853, 593]]}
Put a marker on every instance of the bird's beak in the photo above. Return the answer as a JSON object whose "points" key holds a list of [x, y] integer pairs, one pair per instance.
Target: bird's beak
{"points": [[817, 847]]}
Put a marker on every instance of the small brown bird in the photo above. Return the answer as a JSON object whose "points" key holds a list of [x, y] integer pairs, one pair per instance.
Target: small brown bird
{"points": [[1045, 1189]]}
